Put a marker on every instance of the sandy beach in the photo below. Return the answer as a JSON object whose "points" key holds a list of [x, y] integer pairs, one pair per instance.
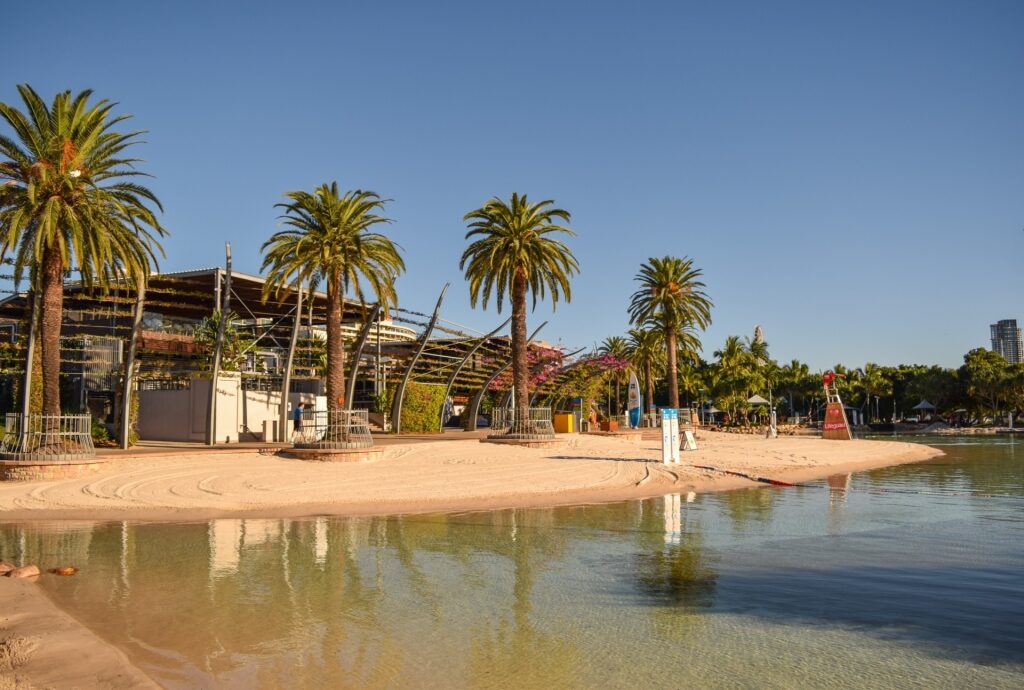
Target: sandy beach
{"points": [[434, 476]]}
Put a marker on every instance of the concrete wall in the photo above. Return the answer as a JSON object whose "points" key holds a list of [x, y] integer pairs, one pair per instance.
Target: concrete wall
{"points": [[181, 415]]}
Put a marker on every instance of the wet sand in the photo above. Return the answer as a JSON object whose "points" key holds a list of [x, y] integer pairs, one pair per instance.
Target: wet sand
{"points": [[43, 647]]}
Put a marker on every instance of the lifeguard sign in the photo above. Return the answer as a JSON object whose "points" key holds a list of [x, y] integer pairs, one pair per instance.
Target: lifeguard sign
{"points": [[835, 427]]}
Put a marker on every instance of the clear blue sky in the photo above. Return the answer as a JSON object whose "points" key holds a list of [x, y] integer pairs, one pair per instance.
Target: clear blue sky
{"points": [[848, 175]]}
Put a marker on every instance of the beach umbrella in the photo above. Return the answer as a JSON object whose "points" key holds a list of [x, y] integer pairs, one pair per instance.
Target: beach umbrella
{"points": [[924, 405], [757, 400]]}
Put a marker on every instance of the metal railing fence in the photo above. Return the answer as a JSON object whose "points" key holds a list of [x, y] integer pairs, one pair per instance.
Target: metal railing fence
{"points": [[333, 429], [505, 423], [47, 438]]}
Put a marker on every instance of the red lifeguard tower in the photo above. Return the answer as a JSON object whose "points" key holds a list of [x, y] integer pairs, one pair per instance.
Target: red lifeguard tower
{"points": [[835, 428]]}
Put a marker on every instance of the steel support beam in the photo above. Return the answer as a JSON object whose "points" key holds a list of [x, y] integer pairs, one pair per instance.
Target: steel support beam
{"points": [[30, 352], [225, 304], [358, 354], [396, 406], [462, 363], [286, 379], [474, 406], [129, 367]]}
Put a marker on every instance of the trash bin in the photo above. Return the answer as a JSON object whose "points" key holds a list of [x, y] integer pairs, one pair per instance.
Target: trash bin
{"points": [[563, 423]]}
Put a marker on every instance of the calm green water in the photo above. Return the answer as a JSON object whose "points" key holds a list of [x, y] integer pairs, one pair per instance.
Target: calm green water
{"points": [[910, 577]]}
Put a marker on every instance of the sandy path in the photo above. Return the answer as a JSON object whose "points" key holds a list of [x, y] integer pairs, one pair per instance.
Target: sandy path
{"points": [[432, 476]]}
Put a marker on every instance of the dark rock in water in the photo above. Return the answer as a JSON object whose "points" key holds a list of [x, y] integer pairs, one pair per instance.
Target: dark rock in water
{"points": [[24, 571]]}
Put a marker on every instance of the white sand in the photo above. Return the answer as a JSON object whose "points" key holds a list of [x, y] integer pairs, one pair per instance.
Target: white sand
{"points": [[434, 476]]}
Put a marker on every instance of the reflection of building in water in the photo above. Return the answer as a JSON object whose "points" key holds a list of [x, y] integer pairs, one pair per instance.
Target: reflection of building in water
{"points": [[358, 534], [47, 545], [320, 540], [260, 531], [673, 518], [225, 546]]}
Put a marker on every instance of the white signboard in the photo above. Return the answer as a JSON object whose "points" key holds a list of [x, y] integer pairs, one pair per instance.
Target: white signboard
{"points": [[675, 436], [667, 414], [689, 442]]}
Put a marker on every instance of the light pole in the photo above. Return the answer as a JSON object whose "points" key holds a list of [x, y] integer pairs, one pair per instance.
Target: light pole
{"points": [[702, 407]]}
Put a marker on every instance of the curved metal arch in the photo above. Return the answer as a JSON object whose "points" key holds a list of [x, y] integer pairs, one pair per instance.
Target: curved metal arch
{"points": [[396, 406], [569, 367], [462, 363], [357, 355], [289, 362], [474, 405], [508, 394], [124, 430], [533, 398]]}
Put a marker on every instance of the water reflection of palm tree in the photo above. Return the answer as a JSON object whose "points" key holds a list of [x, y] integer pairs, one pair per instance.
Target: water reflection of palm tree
{"points": [[512, 650]]}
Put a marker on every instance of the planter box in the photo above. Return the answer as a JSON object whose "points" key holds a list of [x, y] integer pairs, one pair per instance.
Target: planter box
{"points": [[609, 426]]}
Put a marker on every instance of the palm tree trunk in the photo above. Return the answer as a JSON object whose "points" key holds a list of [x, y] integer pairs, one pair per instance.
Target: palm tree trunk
{"points": [[49, 331], [520, 369], [673, 372], [335, 347], [648, 387]]}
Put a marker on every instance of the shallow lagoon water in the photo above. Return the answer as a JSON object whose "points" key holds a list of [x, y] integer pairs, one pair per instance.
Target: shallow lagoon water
{"points": [[910, 576]]}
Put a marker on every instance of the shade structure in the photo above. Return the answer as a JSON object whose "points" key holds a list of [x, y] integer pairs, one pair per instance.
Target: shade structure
{"points": [[757, 400], [924, 405]]}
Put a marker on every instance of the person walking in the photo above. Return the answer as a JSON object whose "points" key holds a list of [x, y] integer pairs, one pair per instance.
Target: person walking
{"points": [[297, 425]]}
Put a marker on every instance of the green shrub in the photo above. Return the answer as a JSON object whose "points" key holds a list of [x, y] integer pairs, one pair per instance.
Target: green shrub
{"points": [[382, 401], [133, 421], [421, 409], [99, 431]]}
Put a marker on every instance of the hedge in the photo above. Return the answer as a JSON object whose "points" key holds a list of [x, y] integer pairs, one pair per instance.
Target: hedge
{"points": [[421, 409]]}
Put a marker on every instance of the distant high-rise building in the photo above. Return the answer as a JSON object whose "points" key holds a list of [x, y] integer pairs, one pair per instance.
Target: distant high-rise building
{"points": [[1006, 340]]}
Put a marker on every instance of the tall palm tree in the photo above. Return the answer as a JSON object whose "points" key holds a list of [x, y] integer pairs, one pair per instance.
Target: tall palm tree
{"points": [[516, 251], [736, 367], [329, 236], [68, 202], [732, 353], [793, 377], [672, 296], [645, 351], [615, 346]]}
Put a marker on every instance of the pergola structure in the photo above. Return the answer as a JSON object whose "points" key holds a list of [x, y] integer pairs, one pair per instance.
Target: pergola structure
{"points": [[552, 392], [119, 342]]}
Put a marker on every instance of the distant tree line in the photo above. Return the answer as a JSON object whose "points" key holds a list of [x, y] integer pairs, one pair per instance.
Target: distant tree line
{"points": [[985, 385]]}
